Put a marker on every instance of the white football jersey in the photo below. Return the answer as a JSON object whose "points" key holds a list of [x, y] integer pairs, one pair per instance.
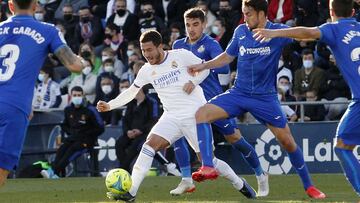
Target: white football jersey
{"points": [[168, 80]]}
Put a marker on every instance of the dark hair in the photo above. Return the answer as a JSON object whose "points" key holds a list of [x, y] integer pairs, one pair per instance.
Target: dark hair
{"points": [[124, 80], [257, 5], [151, 36], [307, 52], [77, 88], [112, 27], [23, 4], [109, 61], [342, 8], [222, 21], [68, 5], [284, 77], [224, 1], [147, 3], [195, 13]]}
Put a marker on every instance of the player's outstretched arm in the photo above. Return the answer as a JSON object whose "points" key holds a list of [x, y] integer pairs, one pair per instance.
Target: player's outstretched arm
{"points": [[218, 62], [122, 99], [69, 59], [301, 33]]}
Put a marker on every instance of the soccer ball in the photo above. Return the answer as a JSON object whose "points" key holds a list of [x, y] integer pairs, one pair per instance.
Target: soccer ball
{"points": [[118, 181]]}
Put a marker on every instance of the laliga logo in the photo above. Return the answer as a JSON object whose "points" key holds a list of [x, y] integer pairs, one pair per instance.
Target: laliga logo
{"points": [[272, 158], [111, 152]]}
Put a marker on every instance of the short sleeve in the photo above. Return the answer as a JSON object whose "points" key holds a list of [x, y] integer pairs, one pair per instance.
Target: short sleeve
{"points": [[57, 40], [233, 47], [215, 49], [176, 44], [142, 78], [326, 34]]}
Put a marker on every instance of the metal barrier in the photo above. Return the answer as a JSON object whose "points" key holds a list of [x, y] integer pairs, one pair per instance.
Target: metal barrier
{"points": [[303, 103]]}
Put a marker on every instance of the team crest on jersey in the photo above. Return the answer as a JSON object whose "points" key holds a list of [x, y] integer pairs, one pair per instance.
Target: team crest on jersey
{"points": [[201, 49], [174, 64]]}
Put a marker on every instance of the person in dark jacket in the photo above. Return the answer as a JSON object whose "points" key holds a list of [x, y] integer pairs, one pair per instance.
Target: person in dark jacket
{"points": [[82, 125], [313, 112]]}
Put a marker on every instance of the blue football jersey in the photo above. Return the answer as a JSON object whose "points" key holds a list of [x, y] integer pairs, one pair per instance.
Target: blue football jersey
{"points": [[343, 37], [257, 63], [24, 45], [206, 48]]}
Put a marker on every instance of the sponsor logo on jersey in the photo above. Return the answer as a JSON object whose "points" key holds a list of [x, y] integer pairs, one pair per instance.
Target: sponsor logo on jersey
{"points": [[255, 51]]}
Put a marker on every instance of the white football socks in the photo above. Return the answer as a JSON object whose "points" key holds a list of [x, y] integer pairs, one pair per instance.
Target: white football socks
{"points": [[141, 167], [226, 171]]}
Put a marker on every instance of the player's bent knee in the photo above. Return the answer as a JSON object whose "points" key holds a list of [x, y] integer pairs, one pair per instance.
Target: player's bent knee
{"points": [[157, 142], [288, 144], [201, 115]]}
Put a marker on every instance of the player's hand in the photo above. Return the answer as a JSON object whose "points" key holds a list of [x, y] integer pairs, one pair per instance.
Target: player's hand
{"points": [[263, 35], [102, 106], [189, 87], [194, 69]]}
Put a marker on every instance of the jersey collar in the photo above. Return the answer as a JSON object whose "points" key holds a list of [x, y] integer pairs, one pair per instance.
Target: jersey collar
{"points": [[347, 20]]}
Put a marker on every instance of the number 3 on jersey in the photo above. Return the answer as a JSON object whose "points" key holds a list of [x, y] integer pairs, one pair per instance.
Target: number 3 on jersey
{"points": [[8, 61]]}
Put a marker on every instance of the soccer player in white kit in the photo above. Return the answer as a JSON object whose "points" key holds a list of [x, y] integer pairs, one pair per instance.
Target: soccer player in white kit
{"points": [[181, 96]]}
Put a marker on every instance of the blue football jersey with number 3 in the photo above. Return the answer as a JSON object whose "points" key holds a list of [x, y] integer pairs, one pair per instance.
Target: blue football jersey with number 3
{"points": [[24, 45]]}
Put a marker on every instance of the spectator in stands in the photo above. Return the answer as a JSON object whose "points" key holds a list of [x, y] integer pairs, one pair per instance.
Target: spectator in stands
{"points": [[98, 7], [337, 90], [107, 71], [47, 92], [111, 8], [176, 32], [86, 80], [283, 70], [109, 89], [230, 16], [309, 77], [313, 112], [292, 60], [285, 85], [210, 17], [76, 4], [323, 10], [70, 21], [281, 11], [148, 20], [89, 29], [82, 125], [137, 123], [289, 112], [137, 66], [129, 74], [220, 33], [50, 7], [118, 114], [170, 11], [40, 14], [115, 40], [128, 22], [322, 55], [87, 52], [119, 66], [133, 48], [306, 13]]}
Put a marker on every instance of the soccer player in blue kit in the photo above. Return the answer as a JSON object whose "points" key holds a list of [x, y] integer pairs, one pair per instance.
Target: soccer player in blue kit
{"points": [[343, 38], [207, 48], [254, 90], [24, 45]]}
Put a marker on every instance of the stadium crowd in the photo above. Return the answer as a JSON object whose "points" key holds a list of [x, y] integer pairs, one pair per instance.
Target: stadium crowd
{"points": [[106, 32]]}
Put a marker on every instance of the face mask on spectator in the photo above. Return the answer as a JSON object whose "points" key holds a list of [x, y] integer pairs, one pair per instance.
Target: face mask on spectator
{"points": [[146, 14], [123, 89], [85, 19], [85, 54], [41, 77], [39, 16], [284, 88], [215, 30], [121, 12], [43, 2], [109, 69], [86, 70], [106, 89], [77, 101], [129, 53], [68, 17], [281, 63], [308, 64], [279, 97]]}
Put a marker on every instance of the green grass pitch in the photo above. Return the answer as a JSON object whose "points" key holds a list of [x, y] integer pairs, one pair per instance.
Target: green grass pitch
{"points": [[285, 188]]}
